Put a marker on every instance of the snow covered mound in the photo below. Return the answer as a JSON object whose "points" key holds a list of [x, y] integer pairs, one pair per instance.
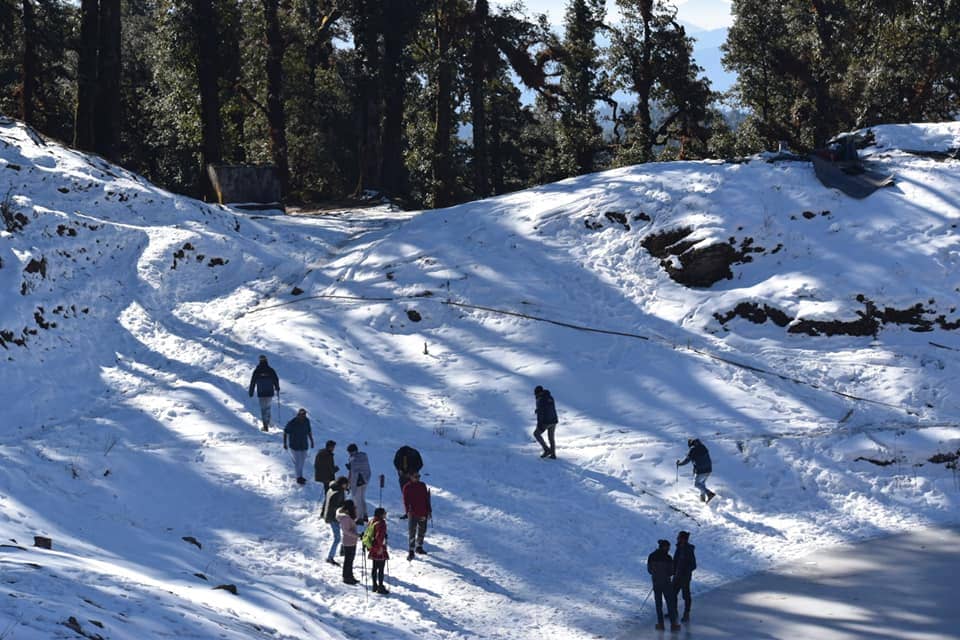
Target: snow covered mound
{"points": [[810, 340]]}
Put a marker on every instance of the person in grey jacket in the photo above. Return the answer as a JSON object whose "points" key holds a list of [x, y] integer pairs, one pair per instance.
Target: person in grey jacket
{"points": [[265, 381], [546, 421], [359, 466], [660, 568]]}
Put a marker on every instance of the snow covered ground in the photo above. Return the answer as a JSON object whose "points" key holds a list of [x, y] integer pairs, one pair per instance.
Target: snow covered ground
{"points": [[132, 319]]}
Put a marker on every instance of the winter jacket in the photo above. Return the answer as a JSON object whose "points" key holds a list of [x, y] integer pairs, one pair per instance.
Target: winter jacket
{"points": [[660, 568], [332, 502], [700, 456], [359, 466], [348, 527], [684, 561], [407, 460], [297, 433], [416, 499], [546, 409], [324, 469], [379, 549], [265, 380]]}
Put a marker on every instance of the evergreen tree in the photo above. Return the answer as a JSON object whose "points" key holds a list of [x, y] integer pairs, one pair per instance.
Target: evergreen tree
{"points": [[583, 83]]}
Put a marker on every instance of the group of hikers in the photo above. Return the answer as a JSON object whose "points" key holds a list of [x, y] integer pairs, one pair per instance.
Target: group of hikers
{"points": [[348, 521]]}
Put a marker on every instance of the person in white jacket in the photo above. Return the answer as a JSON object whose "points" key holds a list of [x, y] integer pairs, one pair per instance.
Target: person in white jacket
{"points": [[359, 467]]}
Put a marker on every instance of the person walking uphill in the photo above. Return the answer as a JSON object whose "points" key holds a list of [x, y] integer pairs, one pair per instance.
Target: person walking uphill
{"points": [[298, 437], [702, 467], [546, 421], [378, 550], [332, 502], [416, 504], [324, 468], [359, 466], [660, 568], [265, 381], [684, 562]]}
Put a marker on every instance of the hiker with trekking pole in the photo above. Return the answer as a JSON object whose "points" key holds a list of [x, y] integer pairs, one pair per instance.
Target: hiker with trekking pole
{"points": [[265, 381]]}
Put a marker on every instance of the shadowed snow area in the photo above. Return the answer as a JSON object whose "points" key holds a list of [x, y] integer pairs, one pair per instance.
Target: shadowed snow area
{"points": [[894, 587], [817, 358]]}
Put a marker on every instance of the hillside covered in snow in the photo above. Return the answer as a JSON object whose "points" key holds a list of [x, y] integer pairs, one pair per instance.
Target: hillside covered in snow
{"points": [[811, 340]]}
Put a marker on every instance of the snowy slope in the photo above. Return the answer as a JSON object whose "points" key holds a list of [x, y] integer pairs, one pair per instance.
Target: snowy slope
{"points": [[132, 319]]}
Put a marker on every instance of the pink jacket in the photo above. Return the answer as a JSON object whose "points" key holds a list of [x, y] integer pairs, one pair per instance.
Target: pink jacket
{"points": [[348, 527]]}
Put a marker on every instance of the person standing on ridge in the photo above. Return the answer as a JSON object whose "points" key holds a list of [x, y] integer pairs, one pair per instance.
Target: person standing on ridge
{"points": [[265, 380], [660, 568], [324, 468], [406, 461], [359, 466], [298, 437], [684, 562], [702, 467], [331, 504], [416, 503], [546, 421]]}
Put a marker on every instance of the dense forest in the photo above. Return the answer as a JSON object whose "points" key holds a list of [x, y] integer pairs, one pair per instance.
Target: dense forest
{"points": [[434, 102]]}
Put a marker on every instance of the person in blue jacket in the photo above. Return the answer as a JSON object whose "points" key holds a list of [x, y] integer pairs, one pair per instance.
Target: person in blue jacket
{"points": [[546, 421], [265, 381], [702, 467]]}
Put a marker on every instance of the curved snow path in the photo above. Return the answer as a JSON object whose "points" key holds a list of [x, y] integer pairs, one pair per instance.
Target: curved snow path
{"points": [[901, 586]]}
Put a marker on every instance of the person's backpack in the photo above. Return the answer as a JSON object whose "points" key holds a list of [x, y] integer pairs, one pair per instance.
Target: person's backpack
{"points": [[367, 538]]}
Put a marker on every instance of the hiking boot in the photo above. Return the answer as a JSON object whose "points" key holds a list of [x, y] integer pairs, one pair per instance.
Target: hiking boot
{"points": [[703, 498], [420, 550], [333, 562], [382, 590], [404, 517], [686, 617], [410, 556], [675, 627], [351, 581], [659, 626], [301, 481], [552, 456], [710, 495], [264, 428], [545, 454]]}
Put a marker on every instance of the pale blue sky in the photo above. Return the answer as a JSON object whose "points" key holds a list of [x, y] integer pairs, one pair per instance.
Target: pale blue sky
{"points": [[705, 14]]}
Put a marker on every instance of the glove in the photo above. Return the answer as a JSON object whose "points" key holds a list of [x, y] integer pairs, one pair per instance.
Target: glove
{"points": [[678, 463]]}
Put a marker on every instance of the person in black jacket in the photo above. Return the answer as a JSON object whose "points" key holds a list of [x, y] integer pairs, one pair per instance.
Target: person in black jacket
{"points": [[660, 568], [324, 468], [684, 562], [702, 467], [265, 381], [546, 421], [331, 503], [406, 461]]}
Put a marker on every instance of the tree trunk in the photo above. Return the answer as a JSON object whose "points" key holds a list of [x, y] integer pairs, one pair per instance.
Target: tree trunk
{"points": [[442, 156], [83, 127], [208, 76], [395, 35], [478, 79], [276, 117], [644, 121], [107, 127], [28, 78]]}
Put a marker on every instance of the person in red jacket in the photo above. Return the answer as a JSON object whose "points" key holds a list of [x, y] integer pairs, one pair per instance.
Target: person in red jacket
{"points": [[378, 551], [416, 503]]}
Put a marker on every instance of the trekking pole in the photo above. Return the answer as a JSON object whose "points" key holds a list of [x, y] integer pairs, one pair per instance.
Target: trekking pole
{"points": [[381, 491], [644, 605], [279, 418], [363, 562]]}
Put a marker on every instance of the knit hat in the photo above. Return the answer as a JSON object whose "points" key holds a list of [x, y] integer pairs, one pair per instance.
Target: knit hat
{"points": [[351, 448], [663, 544], [683, 535]]}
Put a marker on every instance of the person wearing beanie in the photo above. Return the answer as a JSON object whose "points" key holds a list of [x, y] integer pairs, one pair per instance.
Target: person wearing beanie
{"points": [[298, 437], [265, 381], [660, 568], [702, 467], [546, 421], [684, 562], [359, 467]]}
